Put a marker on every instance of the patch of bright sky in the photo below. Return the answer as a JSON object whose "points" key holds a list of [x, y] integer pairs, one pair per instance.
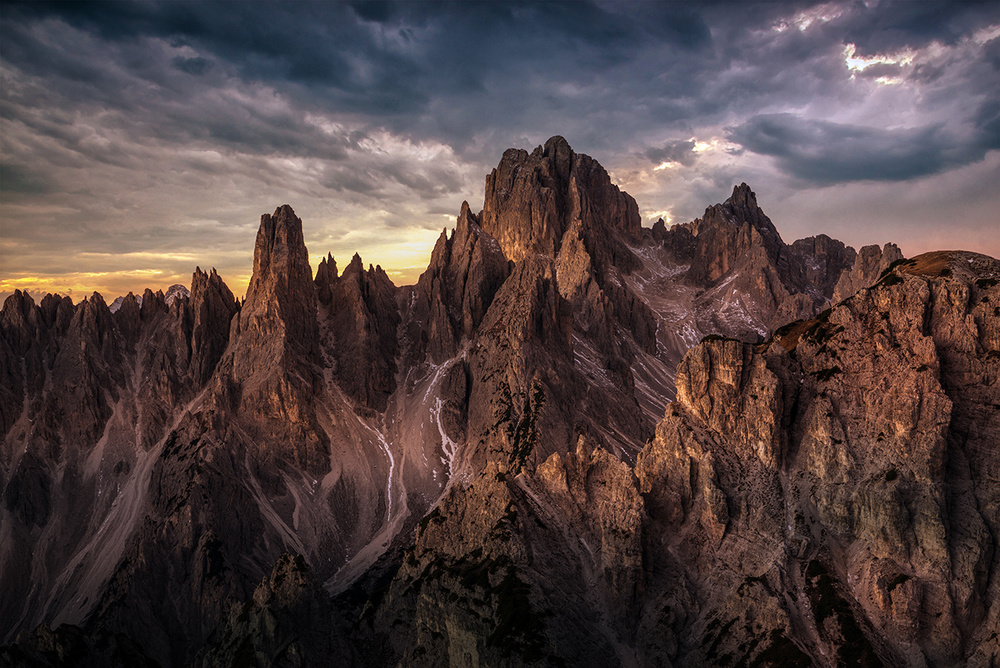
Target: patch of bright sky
{"points": [[935, 51], [388, 143], [661, 190], [857, 63], [804, 19], [650, 217], [986, 34], [712, 145], [404, 254], [82, 283]]}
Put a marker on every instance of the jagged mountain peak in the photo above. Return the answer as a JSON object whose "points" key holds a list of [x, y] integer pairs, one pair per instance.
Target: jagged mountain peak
{"points": [[740, 208], [356, 265], [743, 197], [531, 200], [462, 224], [557, 144], [281, 263], [326, 274], [458, 286], [277, 322], [280, 251], [213, 306], [175, 292], [730, 231]]}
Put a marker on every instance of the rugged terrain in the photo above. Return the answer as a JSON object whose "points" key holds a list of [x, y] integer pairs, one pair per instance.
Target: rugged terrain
{"points": [[527, 457]]}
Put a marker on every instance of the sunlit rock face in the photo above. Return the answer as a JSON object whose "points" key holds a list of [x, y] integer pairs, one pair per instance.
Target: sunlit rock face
{"points": [[529, 457], [532, 200], [844, 475]]}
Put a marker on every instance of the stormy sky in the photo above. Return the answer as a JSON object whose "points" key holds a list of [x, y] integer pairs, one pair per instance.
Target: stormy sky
{"points": [[138, 140]]}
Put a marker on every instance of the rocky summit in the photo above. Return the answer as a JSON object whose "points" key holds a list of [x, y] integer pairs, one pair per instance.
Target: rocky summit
{"points": [[576, 441]]}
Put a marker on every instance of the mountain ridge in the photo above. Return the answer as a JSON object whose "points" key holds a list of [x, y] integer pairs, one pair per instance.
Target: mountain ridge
{"points": [[386, 434]]}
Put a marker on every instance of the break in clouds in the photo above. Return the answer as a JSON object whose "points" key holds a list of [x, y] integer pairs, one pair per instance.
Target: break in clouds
{"points": [[140, 140]]}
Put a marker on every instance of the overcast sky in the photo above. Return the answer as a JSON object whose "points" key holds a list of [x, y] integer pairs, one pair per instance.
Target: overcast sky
{"points": [[140, 140]]}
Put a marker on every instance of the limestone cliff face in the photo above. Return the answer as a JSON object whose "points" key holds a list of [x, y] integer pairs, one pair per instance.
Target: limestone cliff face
{"points": [[867, 267], [755, 281], [268, 376], [560, 204], [278, 298], [213, 307], [277, 329], [527, 569], [532, 199], [454, 294], [727, 231], [860, 525], [361, 323], [818, 263]]}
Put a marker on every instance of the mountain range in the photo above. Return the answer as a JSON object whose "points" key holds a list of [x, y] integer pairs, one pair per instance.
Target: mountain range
{"points": [[574, 441]]}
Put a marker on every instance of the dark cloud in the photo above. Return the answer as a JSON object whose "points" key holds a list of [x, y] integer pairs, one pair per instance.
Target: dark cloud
{"points": [[824, 153], [894, 24], [987, 120], [393, 61], [680, 151], [196, 66], [128, 119], [373, 10], [17, 180]]}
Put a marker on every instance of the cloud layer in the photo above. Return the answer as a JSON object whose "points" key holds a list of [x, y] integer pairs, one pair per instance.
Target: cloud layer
{"points": [[139, 140]]}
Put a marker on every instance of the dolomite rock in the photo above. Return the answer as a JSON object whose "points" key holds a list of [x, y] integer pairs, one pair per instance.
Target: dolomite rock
{"points": [[559, 204], [532, 198], [454, 294], [362, 323], [268, 372], [868, 534], [453, 461], [276, 627], [524, 569], [868, 266], [727, 231], [213, 307]]}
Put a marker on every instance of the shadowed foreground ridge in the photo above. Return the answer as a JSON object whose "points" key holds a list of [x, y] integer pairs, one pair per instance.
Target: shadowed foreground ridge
{"points": [[575, 441]]}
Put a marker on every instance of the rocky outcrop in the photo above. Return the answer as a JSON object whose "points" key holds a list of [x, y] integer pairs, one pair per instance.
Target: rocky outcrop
{"points": [[518, 363], [727, 232], [755, 282], [277, 626], [560, 204], [361, 328], [533, 568], [278, 318], [268, 374], [867, 267], [840, 443], [213, 307], [454, 294], [531, 200], [819, 262]]}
